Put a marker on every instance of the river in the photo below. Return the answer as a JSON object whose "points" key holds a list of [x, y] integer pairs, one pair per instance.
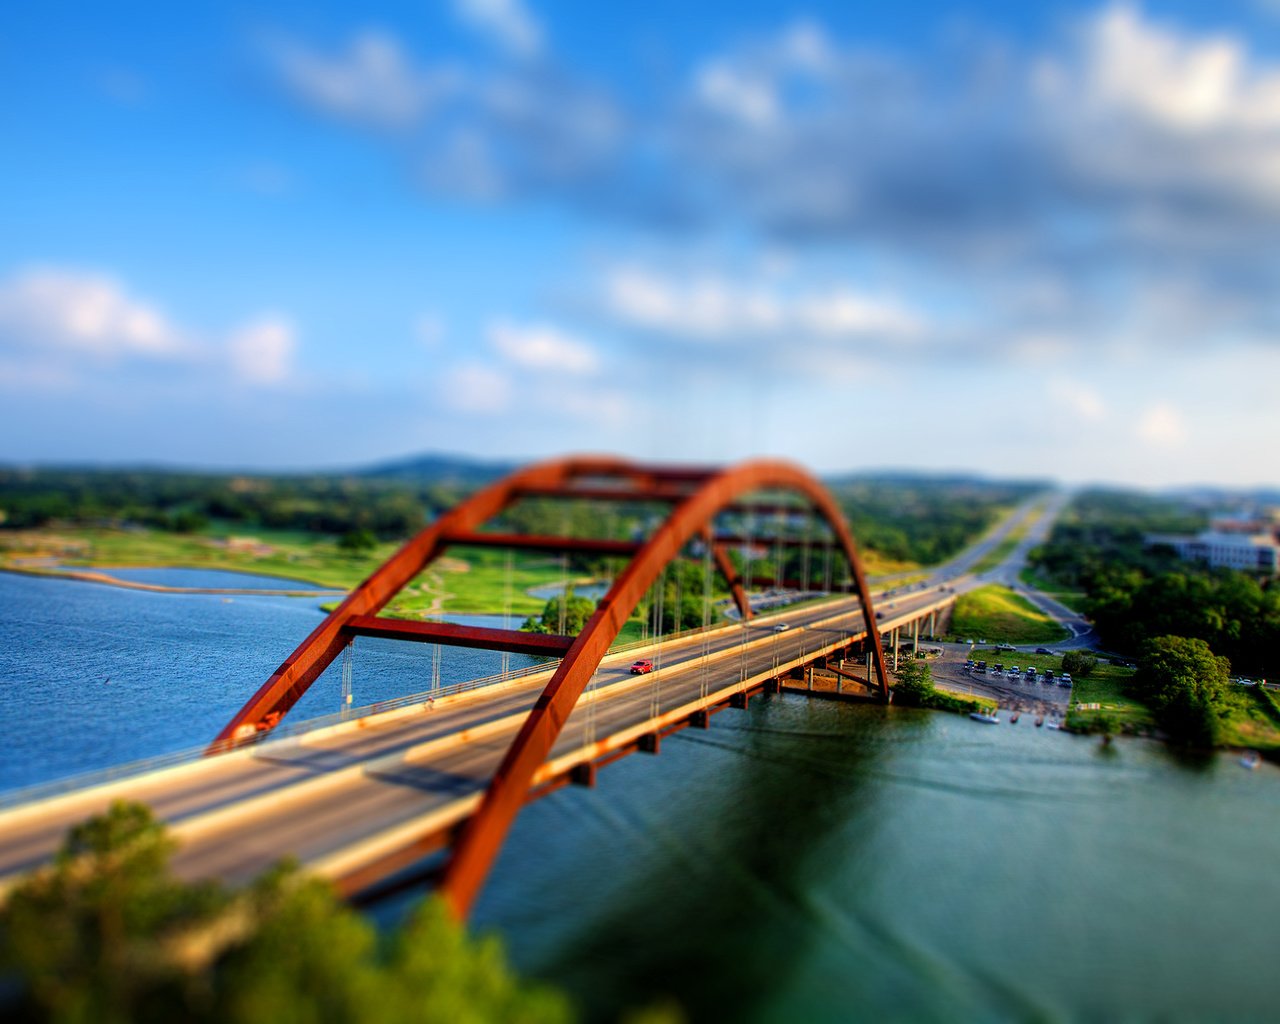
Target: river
{"points": [[800, 861]]}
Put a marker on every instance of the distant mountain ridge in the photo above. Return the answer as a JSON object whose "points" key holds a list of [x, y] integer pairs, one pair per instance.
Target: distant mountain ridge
{"points": [[439, 468]]}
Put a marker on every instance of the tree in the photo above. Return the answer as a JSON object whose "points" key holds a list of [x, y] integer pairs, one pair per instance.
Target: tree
{"points": [[576, 612], [1186, 686], [107, 934], [1078, 663], [913, 683], [357, 542]]}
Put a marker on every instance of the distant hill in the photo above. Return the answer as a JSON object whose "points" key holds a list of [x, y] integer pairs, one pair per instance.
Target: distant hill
{"points": [[437, 468]]}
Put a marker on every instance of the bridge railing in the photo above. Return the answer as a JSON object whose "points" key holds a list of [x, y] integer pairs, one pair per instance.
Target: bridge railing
{"points": [[294, 730]]}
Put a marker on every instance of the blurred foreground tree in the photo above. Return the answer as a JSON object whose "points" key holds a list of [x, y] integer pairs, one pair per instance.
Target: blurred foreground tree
{"points": [[107, 935]]}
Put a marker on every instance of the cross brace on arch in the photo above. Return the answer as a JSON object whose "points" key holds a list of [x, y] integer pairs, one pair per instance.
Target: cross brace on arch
{"points": [[696, 497]]}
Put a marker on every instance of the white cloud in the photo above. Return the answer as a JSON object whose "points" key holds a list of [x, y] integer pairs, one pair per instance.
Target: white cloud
{"points": [[1079, 399], [507, 22], [476, 388], [542, 347], [1150, 107], [373, 81], [726, 89], [1175, 79], [712, 309], [78, 311], [262, 351], [1162, 425]]}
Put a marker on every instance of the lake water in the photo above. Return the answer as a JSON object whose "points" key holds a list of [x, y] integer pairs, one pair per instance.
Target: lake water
{"points": [[93, 675], [800, 861]]}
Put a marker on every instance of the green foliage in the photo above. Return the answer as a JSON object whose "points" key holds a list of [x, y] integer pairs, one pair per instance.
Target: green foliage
{"points": [[913, 686], [1000, 614], [107, 935], [924, 520], [186, 502], [1080, 664], [1137, 593], [86, 937], [914, 682], [1187, 687], [358, 541], [576, 610]]}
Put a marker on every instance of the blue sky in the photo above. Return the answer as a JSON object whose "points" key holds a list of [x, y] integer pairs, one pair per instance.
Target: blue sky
{"points": [[1006, 237]]}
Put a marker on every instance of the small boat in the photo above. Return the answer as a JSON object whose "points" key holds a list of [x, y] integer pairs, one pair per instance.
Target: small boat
{"points": [[1250, 759], [1052, 725], [1040, 721], [1014, 718], [982, 716]]}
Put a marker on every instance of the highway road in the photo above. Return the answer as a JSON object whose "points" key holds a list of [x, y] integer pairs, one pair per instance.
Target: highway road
{"points": [[342, 797]]}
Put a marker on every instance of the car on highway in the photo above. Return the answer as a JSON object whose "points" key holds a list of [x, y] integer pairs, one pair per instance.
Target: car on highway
{"points": [[641, 667], [781, 627], [1043, 650]]}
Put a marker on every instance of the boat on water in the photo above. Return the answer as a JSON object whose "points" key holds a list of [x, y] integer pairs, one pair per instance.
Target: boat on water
{"points": [[982, 716], [1014, 719], [1052, 725], [1040, 721], [1250, 759]]}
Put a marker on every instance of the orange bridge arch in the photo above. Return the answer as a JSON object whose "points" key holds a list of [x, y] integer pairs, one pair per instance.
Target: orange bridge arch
{"points": [[697, 496]]}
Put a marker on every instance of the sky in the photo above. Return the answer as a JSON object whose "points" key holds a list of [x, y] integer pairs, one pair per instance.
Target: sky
{"points": [[1009, 238]]}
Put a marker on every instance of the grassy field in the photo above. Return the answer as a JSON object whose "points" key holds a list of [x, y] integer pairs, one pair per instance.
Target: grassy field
{"points": [[1255, 722], [997, 613], [314, 561], [1073, 599], [1106, 685], [476, 585]]}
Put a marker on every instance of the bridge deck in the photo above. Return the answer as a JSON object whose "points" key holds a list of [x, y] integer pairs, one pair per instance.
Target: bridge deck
{"points": [[355, 800]]}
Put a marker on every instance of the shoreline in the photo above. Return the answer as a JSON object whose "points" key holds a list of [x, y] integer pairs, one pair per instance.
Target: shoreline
{"points": [[104, 579]]}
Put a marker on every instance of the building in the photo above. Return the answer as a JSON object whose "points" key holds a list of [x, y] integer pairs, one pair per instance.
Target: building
{"points": [[1245, 542]]}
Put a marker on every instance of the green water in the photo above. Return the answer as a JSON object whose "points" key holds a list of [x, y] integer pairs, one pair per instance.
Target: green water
{"points": [[813, 861]]}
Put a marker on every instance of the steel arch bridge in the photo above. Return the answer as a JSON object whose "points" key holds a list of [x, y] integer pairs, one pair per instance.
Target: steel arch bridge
{"points": [[695, 496]]}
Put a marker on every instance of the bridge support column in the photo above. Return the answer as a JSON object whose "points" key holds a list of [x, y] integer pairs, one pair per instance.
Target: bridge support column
{"points": [[650, 743], [915, 636], [739, 700], [583, 775], [896, 633], [700, 720], [933, 625]]}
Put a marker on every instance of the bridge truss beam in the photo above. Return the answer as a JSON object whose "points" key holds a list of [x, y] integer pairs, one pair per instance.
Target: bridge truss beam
{"points": [[697, 497]]}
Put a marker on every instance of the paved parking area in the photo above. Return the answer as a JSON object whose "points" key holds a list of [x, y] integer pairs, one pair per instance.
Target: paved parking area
{"points": [[1037, 698]]}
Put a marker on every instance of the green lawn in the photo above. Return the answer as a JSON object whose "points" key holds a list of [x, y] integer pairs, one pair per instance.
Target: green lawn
{"points": [[1073, 599], [1255, 722], [996, 613], [1106, 685]]}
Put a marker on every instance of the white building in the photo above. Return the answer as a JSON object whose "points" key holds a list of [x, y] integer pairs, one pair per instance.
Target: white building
{"points": [[1231, 542]]}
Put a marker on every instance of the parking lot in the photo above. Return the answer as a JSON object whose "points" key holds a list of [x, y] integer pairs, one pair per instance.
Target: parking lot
{"points": [[1023, 695]]}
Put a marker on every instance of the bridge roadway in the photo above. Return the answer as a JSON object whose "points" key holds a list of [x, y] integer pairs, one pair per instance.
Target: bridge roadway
{"points": [[357, 799]]}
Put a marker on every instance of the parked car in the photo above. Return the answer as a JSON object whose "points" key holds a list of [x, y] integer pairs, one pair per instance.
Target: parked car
{"points": [[641, 667], [1031, 675]]}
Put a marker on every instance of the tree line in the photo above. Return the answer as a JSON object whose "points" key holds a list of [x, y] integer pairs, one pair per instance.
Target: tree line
{"points": [[1135, 593]]}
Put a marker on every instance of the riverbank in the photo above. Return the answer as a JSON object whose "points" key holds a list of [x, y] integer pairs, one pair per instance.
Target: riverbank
{"points": [[85, 576]]}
